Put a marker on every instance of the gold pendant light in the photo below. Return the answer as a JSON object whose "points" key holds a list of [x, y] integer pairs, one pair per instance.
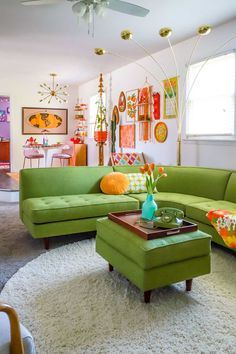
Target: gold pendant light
{"points": [[54, 91]]}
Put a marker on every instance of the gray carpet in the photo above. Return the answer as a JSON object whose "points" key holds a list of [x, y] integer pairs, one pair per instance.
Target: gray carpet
{"points": [[17, 247]]}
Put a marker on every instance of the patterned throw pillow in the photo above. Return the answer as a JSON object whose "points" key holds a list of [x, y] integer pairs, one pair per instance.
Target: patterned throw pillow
{"points": [[137, 183]]}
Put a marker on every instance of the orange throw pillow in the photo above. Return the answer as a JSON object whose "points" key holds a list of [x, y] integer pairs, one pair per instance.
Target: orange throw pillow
{"points": [[114, 183]]}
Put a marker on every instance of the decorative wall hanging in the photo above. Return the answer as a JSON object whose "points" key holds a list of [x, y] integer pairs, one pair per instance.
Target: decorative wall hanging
{"points": [[100, 129], [36, 120], [156, 105], [122, 102], [170, 98], [160, 132], [54, 91], [115, 115], [145, 112], [145, 103], [145, 131], [131, 106], [127, 136], [114, 123]]}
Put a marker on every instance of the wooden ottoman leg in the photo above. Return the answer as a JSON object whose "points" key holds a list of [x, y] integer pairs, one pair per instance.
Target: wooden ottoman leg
{"points": [[189, 284], [147, 295], [110, 267], [46, 243]]}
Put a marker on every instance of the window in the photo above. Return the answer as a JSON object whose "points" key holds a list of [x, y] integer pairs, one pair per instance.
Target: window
{"points": [[211, 104], [93, 112]]}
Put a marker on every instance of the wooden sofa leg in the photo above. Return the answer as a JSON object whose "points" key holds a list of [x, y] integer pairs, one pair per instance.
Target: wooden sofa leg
{"points": [[147, 295], [46, 243], [110, 267], [189, 284]]}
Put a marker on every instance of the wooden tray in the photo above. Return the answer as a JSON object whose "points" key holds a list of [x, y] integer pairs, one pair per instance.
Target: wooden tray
{"points": [[128, 220]]}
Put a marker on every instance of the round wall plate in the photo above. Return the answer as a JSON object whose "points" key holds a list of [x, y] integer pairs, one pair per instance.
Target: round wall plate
{"points": [[160, 132], [122, 102]]}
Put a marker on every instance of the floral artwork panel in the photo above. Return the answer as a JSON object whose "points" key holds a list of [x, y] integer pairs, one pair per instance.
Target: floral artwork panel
{"points": [[37, 121], [170, 97], [127, 136], [131, 106]]}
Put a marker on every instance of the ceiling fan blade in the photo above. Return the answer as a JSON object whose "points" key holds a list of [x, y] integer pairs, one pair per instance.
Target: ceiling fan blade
{"points": [[40, 2], [127, 8]]}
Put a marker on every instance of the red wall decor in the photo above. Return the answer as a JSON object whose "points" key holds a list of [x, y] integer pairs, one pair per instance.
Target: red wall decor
{"points": [[156, 105]]}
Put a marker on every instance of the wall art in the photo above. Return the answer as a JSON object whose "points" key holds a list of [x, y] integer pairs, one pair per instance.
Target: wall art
{"points": [[160, 132], [131, 106], [156, 105], [115, 115], [170, 98], [127, 136], [122, 102], [145, 104], [36, 120]]}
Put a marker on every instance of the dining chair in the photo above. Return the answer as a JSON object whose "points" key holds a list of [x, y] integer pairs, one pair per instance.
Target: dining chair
{"points": [[14, 337], [32, 154], [65, 155]]}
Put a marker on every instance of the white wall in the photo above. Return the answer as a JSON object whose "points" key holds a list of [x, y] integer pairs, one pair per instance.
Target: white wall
{"points": [[201, 153], [22, 91]]}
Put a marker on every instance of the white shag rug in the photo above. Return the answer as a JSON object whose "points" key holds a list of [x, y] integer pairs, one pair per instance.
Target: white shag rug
{"points": [[73, 305]]}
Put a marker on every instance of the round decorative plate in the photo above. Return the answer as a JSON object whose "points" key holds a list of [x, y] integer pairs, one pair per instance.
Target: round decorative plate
{"points": [[160, 132], [115, 115], [122, 102]]}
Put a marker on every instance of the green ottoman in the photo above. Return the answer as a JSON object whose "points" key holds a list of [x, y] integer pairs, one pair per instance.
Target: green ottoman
{"points": [[154, 263]]}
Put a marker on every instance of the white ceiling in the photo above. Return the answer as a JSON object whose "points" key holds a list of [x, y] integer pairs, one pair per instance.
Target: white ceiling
{"points": [[37, 40]]}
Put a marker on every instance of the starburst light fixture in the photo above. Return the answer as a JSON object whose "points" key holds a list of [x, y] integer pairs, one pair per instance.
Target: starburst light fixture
{"points": [[181, 107], [54, 91]]}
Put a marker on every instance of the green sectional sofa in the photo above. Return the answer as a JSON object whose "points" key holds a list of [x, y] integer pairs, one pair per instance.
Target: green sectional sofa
{"points": [[68, 200]]}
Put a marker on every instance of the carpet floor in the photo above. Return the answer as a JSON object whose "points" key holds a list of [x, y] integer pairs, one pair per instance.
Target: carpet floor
{"points": [[17, 247], [73, 305]]}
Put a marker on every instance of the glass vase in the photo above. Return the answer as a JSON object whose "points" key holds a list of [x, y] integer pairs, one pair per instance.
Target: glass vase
{"points": [[149, 207]]}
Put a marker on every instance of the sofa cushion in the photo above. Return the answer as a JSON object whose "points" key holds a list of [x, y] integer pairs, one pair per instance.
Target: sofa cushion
{"points": [[198, 211], [173, 200], [71, 207], [230, 193], [203, 182], [137, 183], [114, 183]]}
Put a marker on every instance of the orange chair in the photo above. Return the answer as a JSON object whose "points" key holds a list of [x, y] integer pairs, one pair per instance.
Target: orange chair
{"points": [[32, 154], [65, 155]]}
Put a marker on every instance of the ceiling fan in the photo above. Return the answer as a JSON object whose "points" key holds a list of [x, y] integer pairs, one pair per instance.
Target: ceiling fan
{"points": [[86, 9], [81, 7]]}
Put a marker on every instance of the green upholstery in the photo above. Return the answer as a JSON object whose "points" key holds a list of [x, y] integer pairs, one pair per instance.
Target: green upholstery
{"points": [[72, 207], [197, 211], [209, 230], [153, 253], [173, 200], [127, 169], [154, 263], [44, 182], [202, 182], [66, 200], [230, 193]]}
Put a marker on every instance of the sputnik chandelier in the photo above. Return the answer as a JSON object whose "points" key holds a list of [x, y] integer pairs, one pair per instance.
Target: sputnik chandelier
{"points": [[179, 108], [54, 91]]}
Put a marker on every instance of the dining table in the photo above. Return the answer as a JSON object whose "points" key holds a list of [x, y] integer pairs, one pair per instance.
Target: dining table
{"points": [[45, 149]]}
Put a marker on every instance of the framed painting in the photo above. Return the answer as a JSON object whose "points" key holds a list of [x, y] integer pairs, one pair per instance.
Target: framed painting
{"points": [[132, 106], [127, 136], [36, 121], [170, 98]]}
